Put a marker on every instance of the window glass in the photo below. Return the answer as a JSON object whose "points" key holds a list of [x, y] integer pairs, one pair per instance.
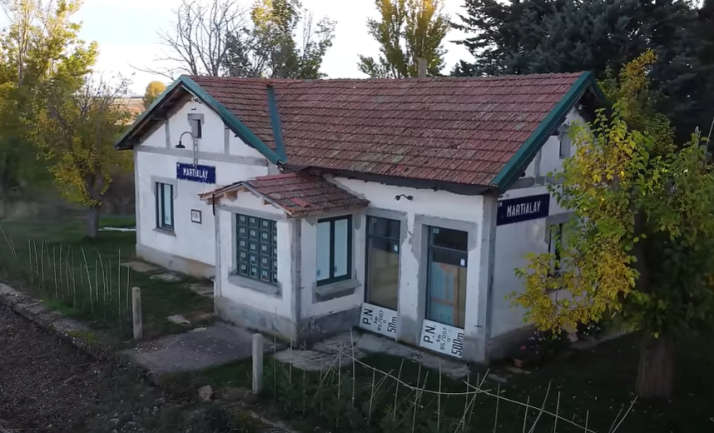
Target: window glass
{"points": [[565, 142], [447, 238], [555, 245], [334, 249], [447, 269], [323, 251], [168, 198], [341, 248], [164, 206], [196, 128], [382, 262], [257, 257]]}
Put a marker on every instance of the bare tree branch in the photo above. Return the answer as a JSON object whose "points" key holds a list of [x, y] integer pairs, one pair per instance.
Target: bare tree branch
{"points": [[198, 42]]}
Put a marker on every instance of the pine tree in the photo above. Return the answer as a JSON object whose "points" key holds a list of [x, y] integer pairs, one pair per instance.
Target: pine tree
{"points": [[544, 36]]}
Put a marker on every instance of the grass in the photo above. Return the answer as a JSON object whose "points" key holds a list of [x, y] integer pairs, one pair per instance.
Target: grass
{"points": [[598, 384], [47, 259]]}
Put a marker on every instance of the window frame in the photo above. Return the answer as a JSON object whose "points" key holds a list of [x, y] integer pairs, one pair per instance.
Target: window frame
{"points": [[430, 247], [350, 241], [272, 244], [367, 238], [160, 211]]}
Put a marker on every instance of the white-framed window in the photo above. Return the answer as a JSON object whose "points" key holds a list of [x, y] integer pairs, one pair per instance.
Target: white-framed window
{"points": [[165, 206], [334, 249], [257, 248], [382, 267]]}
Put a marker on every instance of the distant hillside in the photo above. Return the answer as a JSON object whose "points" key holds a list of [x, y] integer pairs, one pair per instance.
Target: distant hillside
{"points": [[135, 105]]}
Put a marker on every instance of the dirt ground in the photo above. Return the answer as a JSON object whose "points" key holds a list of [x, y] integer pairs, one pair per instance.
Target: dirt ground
{"points": [[47, 385]]}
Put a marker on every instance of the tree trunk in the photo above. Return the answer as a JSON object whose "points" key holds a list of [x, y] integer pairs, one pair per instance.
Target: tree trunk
{"points": [[93, 222], [655, 375]]}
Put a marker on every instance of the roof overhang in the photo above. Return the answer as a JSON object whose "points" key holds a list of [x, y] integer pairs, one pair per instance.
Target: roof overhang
{"points": [[285, 199], [584, 87], [162, 106]]}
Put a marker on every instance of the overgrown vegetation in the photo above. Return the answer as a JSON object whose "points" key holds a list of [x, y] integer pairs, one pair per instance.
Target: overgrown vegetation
{"points": [[641, 244], [382, 393], [83, 278]]}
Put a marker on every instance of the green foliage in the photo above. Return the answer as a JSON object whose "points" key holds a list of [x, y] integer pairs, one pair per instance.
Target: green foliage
{"points": [[40, 44], [641, 245], [280, 42], [408, 30], [544, 36], [75, 132], [153, 90]]}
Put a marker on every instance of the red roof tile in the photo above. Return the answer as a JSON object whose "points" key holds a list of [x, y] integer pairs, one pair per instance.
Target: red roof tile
{"points": [[298, 194], [460, 130]]}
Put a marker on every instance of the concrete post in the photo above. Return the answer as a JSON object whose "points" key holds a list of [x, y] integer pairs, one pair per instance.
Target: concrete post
{"points": [[136, 310], [257, 363]]}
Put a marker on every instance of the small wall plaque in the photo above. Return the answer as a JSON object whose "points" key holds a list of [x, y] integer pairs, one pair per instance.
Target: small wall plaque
{"points": [[196, 216]]}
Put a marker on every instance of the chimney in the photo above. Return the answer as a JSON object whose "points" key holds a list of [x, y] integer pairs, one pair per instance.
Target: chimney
{"points": [[421, 68]]}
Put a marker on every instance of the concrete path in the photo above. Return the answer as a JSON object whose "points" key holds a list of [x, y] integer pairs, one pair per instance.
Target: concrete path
{"points": [[195, 350], [326, 354]]}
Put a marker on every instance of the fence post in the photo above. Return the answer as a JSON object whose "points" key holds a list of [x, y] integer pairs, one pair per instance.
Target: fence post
{"points": [[257, 363], [136, 309]]}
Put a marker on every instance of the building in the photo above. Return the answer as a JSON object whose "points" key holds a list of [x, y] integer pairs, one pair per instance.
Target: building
{"points": [[401, 206]]}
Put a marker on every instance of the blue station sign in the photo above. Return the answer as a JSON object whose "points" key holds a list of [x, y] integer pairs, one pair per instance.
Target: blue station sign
{"points": [[521, 209], [196, 173]]}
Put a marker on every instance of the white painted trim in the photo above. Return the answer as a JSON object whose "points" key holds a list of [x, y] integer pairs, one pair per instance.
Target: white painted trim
{"points": [[204, 156]]}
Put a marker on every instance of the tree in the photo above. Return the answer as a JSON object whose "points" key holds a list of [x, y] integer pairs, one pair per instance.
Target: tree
{"points": [[409, 30], [153, 90], [544, 36], [274, 38], [198, 43], [75, 132], [280, 43], [40, 43], [640, 247]]}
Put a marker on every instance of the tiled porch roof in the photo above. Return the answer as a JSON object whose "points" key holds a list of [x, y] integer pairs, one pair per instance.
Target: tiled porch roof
{"points": [[299, 195]]}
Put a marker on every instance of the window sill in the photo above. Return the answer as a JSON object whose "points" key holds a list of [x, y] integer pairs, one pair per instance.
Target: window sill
{"points": [[258, 286], [336, 290], [165, 231]]}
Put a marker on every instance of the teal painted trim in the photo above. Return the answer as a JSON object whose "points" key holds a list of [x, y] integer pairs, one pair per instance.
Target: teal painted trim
{"points": [[121, 142], [276, 124], [512, 170], [228, 118], [232, 121]]}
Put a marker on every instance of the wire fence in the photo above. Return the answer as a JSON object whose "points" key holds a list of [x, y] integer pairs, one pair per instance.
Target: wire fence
{"points": [[349, 395], [81, 282]]}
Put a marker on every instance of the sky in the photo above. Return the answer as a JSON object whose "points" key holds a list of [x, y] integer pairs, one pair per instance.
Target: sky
{"points": [[126, 31]]}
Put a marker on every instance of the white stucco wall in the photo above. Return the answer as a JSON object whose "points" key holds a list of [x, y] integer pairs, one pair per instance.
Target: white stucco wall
{"points": [[515, 241], [425, 203], [549, 158], [246, 203], [154, 160]]}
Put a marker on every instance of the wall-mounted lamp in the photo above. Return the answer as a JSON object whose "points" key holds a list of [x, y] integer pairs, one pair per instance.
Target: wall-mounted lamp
{"points": [[408, 197], [195, 145], [180, 144]]}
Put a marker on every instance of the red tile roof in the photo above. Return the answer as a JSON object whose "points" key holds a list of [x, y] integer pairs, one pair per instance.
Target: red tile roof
{"points": [[298, 194], [459, 130], [246, 98]]}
